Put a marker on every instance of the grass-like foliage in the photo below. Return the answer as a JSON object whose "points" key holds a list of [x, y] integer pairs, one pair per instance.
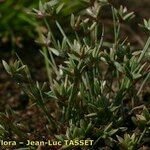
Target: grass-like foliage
{"points": [[95, 84], [13, 17]]}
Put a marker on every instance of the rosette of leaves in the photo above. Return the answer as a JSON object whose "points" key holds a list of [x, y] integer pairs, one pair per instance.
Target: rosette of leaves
{"points": [[128, 142]]}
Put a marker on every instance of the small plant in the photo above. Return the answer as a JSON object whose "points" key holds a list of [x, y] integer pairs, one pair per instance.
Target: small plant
{"points": [[146, 24], [129, 142], [13, 16], [94, 84]]}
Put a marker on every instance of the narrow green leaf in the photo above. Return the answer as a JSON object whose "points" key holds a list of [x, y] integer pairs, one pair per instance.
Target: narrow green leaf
{"points": [[63, 33], [59, 8], [118, 67], [6, 66], [147, 77], [55, 51], [147, 45]]}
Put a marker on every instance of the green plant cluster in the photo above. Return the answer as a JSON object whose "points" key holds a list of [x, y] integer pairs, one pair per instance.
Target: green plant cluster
{"points": [[13, 16], [96, 85]]}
